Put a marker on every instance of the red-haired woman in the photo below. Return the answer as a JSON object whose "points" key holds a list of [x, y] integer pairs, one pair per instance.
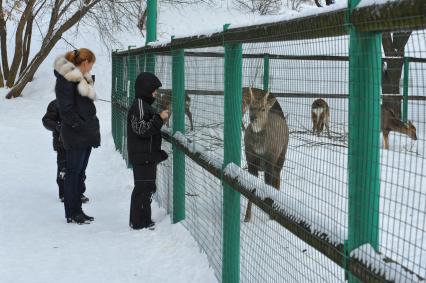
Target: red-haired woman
{"points": [[80, 126]]}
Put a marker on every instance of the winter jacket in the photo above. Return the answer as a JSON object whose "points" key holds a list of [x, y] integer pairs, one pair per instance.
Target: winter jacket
{"points": [[52, 122], [144, 124], [75, 95]]}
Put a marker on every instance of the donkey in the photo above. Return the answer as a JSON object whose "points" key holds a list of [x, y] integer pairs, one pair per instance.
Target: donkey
{"points": [[165, 103], [320, 114], [391, 122], [266, 139]]}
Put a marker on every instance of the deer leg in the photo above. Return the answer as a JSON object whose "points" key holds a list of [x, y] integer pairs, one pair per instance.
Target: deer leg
{"points": [[247, 217], [386, 139], [252, 170], [328, 130], [321, 128], [189, 114]]}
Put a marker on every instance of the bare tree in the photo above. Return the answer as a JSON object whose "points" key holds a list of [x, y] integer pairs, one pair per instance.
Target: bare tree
{"points": [[263, 7], [393, 46], [108, 16], [142, 19], [327, 2], [295, 4]]}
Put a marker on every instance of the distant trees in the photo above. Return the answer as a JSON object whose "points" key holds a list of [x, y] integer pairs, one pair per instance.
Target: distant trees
{"points": [[52, 19], [263, 7]]}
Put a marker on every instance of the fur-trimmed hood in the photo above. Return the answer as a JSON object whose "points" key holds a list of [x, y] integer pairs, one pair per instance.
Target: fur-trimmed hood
{"points": [[73, 74]]}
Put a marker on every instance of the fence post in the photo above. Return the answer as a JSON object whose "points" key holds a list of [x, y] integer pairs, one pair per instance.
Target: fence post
{"points": [[131, 78], [113, 97], [151, 33], [266, 72], [365, 56], [178, 100], [405, 90], [232, 153]]}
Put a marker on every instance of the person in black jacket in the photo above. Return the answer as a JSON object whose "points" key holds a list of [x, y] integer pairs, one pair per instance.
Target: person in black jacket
{"points": [[79, 128], [52, 121], [144, 148]]}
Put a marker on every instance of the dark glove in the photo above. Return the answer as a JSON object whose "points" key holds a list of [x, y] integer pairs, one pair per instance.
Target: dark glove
{"points": [[164, 155], [58, 127]]}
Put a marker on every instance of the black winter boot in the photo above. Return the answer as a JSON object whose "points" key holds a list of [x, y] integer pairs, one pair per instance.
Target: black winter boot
{"points": [[90, 218], [78, 218]]}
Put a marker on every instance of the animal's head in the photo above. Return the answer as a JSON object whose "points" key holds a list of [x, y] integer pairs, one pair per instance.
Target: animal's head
{"points": [[411, 130], [187, 101], [260, 105], [165, 100]]}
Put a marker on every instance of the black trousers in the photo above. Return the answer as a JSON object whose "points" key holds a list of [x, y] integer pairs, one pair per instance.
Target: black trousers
{"points": [[77, 160], [140, 205], [61, 162]]}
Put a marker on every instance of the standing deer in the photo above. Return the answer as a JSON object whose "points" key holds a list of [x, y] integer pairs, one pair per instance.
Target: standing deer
{"points": [[165, 103], [266, 139], [390, 122], [320, 114]]}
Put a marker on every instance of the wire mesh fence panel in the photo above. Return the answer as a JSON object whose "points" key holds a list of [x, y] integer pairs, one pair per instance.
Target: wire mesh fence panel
{"points": [[332, 145], [309, 168], [402, 162], [204, 191]]}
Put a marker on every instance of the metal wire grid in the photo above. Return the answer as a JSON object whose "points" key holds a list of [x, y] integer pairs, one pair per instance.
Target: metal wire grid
{"points": [[314, 174]]}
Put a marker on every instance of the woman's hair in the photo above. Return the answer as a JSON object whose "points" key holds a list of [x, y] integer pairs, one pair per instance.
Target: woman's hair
{"points": [[78, 56]]}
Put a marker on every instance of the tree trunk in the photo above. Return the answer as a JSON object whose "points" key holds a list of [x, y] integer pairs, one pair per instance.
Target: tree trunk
{"points": [[3, 42], [391, 75], [47, 46], [27, 44], [1, 78], [17, 58]]}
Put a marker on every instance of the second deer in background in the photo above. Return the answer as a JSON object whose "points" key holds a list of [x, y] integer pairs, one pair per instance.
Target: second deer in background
{"points": [[320, 114], [391, 122]]}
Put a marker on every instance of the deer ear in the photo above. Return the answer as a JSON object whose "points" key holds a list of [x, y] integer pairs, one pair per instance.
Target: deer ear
{"points": [[251, 95], [266, 97], [271, 101]]}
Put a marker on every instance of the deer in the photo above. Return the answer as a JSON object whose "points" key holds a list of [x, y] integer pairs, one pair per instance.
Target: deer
{"points": [[320, 114], [391, 122], [266, 139], [165, 103]]}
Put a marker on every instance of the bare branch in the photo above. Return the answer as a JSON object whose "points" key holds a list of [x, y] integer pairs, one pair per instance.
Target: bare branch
{"points": [[18, 43]]}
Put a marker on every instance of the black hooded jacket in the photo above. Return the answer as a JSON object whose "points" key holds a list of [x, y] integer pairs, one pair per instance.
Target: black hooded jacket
{"points": [[52, 122], [144, 123]]}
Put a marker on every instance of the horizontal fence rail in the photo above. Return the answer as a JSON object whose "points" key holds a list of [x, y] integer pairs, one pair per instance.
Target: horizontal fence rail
{"points": [[395, 15]]}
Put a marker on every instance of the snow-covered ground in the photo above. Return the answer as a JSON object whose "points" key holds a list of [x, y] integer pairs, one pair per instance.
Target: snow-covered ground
{"points": [[38, 245]]}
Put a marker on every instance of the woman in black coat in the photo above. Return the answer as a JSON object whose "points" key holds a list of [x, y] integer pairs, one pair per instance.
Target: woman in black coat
{"points": [[144, 148], [80, 126]]}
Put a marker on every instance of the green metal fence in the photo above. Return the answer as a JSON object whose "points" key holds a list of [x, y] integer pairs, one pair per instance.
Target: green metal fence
{"points": [[347, 208]]}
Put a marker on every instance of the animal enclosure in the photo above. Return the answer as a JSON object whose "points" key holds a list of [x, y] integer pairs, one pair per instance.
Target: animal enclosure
{"points": [[335, 186]]}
